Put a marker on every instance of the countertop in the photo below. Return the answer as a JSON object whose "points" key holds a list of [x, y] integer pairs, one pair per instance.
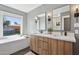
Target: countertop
{"points": [[58, 37]]}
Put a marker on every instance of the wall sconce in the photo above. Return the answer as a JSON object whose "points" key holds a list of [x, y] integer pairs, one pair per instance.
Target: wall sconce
{"points": [[49, 18], [76, 14]]}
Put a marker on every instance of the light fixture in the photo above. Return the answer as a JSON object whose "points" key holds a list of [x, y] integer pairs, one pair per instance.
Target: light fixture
{"points": [[76, 14], [49, 18]]}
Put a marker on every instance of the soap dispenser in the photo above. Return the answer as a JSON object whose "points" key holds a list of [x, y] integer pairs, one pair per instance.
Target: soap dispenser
{"points": [[65, 33]]}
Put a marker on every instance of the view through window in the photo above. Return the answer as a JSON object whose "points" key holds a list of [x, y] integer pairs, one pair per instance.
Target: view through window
{"points": [[11, 25]]}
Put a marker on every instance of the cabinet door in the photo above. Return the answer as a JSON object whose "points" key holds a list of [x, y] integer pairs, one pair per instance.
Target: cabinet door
{"points": [[33, 43], [60, 47], [53, 47], [36, 44], [68, 48], [45, 46], [40, 45]]}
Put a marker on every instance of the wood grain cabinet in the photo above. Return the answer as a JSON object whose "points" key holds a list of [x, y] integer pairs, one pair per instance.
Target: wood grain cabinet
{"points": [[43, 46], [68, 48], [60, 47], [48, 46], [53, 47]]}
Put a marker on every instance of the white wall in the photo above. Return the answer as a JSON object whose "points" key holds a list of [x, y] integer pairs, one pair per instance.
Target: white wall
{"points": [[55, 20]]}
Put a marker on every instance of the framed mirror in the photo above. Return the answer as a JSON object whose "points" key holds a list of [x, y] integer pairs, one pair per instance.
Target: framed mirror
{"points": [[40, 21], [61, 19]]}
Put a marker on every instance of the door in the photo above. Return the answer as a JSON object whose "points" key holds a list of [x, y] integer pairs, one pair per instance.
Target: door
{"points": [[67, 24]]}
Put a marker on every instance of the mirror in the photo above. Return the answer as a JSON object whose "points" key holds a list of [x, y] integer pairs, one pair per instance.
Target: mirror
{"points": [[56, 20], [40, 21], [59, 19]]}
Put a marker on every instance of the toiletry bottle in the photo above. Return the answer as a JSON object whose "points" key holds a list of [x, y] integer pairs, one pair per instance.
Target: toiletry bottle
{"points": [[65, 33]]}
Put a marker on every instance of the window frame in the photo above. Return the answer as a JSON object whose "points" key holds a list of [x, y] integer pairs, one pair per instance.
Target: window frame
{"points": [[3, 13]]}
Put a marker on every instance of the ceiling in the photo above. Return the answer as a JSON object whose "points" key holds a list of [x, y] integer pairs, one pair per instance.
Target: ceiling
{"points": [[23, 7]]}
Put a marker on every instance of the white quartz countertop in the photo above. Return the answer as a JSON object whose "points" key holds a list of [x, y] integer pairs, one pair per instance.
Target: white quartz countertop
{"points": [[58, 37]]}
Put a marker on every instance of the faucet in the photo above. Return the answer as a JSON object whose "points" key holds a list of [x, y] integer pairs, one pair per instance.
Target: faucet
{"points": [[41, 31]]}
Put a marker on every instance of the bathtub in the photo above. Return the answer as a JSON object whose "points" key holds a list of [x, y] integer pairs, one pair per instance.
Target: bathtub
{"points": [[12, 44]]}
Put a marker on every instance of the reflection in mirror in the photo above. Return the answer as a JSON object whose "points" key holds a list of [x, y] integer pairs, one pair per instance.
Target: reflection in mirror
{"points": [[37, 23], [61, 19], [40, 21], [66, 23], [49, 20]]}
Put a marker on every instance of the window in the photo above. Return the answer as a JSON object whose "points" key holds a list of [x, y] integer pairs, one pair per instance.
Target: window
{"points": [[11, 25]]}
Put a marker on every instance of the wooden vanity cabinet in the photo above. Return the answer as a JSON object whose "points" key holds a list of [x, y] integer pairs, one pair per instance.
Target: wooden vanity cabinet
{"points": [[34, 44], [68, 48], [43, 46], [53, 47], [60, 47], [50, 46], [39, 45]]}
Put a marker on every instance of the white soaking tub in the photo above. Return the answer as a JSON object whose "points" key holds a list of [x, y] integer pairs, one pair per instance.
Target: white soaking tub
{"points": [[11, 44]]}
